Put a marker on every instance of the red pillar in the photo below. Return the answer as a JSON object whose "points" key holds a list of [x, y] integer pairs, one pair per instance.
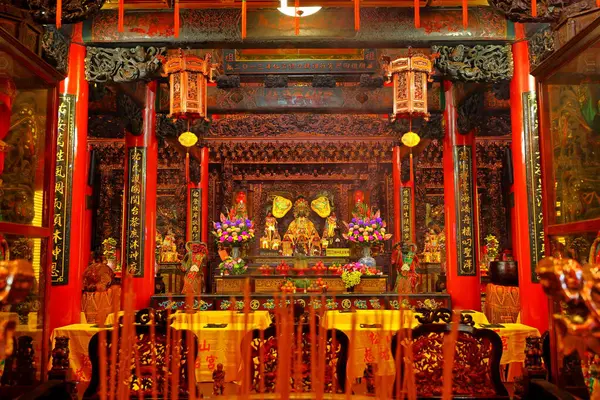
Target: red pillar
{"points": [[534, 303], [143, 286], [464, 290], [396, 160], [65, 307]]}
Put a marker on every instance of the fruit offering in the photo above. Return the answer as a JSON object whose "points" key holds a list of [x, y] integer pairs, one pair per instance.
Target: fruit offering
{"points": [[317, 285], [288, 287], [265, 269], [283, 268], [319, 267]]}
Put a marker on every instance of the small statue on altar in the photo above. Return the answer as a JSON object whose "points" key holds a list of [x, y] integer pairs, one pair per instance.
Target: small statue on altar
{"points": [[239, 209], [218, 376], [406, 264], [434, 244], [338, 240], [168, 249], [369, 375], [287, 249], [193, 281], [330, 227], [315, 245], [271, 233], [301, 230], [361, 210]]}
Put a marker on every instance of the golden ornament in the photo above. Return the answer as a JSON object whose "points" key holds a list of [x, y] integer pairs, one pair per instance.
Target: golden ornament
{"points": [[410, 139], [281, 206], [188, 139], [321, 206]]}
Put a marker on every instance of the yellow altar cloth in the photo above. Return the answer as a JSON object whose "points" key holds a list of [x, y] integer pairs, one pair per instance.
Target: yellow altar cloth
{"points": [[372, 340], [215, 345]]}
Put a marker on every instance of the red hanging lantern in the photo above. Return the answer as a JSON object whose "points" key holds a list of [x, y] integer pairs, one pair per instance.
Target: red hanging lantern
{"points": [[410, 75], [188, 79]]}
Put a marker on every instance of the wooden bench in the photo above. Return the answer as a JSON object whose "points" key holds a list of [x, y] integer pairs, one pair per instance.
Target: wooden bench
{"points": [[263, 359], [476, 369], [149, 366]]}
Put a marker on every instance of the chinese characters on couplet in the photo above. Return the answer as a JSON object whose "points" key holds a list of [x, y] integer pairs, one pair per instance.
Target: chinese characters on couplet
{"points": [[464, 211], [62, 189], [195, 214], [405, 209], [136, 191]]}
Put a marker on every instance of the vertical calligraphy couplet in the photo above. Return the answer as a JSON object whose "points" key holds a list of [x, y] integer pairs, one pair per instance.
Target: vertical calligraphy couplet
{"points": [[406, 208], [463, 189], [136, 221], [195, 214], [533, 172], [62, 189]]}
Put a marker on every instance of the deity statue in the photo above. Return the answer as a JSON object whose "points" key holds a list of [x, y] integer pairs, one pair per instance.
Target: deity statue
{"points": [[315, 245], [286, 246], [168, 249], [193, 281], [239, 209], [271, 240], [330, 227], [301, 230], [434, 243], [218, 376], [406, 263], [361, 210]]}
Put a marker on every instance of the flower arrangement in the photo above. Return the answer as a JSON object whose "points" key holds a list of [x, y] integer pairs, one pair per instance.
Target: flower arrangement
{"points": [[367, 231], [352, 272], [233, 232], [231, 266], [492, 247]]}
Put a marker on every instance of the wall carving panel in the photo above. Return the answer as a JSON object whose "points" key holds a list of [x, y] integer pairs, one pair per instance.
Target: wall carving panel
{"points": [[301, 151], [122, 64], [479, 63]]}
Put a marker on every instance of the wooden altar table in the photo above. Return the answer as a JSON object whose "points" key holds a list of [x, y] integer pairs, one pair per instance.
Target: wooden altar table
{"points": [[374, 330], [215, 344]]}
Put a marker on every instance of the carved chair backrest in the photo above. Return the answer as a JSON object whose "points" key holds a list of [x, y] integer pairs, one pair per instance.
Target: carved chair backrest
{"points": [[476, 370], [142, 362], [264, 358]]}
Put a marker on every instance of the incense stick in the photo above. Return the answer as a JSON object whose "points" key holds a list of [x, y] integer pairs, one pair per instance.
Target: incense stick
{"points": [[320, 389], [313, 342], [246, 352], [449, 349], [166, 367], [189, 341], [153, 355]]}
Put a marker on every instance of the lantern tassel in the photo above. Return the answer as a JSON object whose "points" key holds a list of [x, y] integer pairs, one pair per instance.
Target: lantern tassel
{"points": [[296, 18], [58, 14], [176, 19], [465, 14], [357, 15], [121, 15], [417, 14], [244, 18], [534, 7]]}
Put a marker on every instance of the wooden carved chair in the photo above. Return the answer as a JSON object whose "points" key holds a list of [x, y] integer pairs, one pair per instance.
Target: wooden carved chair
{"points": [[141, 382], [264, 357], [476, 370]]}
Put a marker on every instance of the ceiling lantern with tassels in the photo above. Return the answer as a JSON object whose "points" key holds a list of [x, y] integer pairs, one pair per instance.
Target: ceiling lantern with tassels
{"points": [[410, 75], [188, 80]]}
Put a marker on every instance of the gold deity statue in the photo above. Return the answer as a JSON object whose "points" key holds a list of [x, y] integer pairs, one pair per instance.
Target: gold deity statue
{"points": [[271, 239], [330, 227], [168, 249], [301, 230]]}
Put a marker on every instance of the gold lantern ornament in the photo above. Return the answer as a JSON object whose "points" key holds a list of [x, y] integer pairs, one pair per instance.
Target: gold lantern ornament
{"points": [[410, 76], [188, 78]]}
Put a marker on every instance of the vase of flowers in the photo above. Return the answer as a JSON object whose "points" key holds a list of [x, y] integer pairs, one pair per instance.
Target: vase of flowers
{"points": [[233, 232], [367, 232], [352, 273], [233, 266]]}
